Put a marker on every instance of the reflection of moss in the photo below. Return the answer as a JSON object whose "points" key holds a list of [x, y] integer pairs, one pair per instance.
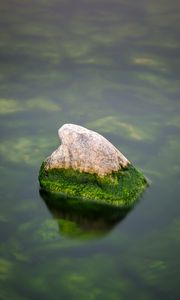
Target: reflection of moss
{"points": [[68, 227], [71, 229], [119, 188], [82, 219]]}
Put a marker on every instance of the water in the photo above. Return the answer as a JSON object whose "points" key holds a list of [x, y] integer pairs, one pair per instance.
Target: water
{"points": [[112, 66]]}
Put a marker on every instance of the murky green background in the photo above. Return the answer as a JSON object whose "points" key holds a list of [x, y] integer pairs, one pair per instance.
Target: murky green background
{"points": [[112, 66]]}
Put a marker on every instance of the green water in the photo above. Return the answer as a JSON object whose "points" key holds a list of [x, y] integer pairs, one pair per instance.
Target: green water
{"points": [[114, 67]]}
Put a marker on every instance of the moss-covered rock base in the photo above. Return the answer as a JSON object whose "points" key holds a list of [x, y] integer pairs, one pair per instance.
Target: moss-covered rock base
{"points": [[120, 188]]}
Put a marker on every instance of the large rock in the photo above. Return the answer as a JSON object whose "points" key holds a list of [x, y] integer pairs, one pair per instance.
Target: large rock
{"points": [[85, 150], [87, 166]]}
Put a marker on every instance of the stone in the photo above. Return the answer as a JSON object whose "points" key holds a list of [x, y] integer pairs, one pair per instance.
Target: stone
{"points": [[85, 150], [87, 166]]}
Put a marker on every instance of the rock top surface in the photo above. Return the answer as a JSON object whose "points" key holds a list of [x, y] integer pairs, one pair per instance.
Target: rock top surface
{"points": [[85, 150]]}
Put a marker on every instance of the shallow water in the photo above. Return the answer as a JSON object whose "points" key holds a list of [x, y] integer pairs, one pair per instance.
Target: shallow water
{"points": [[112, 66]]}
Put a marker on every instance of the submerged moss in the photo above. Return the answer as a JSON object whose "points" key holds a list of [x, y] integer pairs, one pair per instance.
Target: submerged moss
{"points": [[120, 188]]}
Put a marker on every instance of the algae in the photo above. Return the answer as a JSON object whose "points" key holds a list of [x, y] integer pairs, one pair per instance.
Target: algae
{"points": [[120, 188], [136, 260], [25, 149], [6, 267], [10, 106]]}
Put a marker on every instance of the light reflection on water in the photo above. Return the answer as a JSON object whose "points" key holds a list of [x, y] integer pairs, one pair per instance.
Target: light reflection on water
{"points": [[113, 67]]}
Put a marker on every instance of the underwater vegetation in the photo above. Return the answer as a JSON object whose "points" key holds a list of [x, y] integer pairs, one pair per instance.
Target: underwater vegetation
{"points": [[114, 67]]}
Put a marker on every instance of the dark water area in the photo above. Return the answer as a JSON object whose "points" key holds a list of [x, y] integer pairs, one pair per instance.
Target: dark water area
{"points": [[113, 67]]}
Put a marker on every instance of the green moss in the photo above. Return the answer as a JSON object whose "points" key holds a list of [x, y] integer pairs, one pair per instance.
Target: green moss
{"points": [[119, 188]]}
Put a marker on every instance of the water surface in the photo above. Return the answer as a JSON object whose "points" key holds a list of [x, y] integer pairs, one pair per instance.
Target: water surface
{"points": [[112, 66]]}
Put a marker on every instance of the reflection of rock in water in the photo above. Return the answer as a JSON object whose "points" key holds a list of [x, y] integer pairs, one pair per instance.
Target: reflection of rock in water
{"points": [[77, 218]]}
